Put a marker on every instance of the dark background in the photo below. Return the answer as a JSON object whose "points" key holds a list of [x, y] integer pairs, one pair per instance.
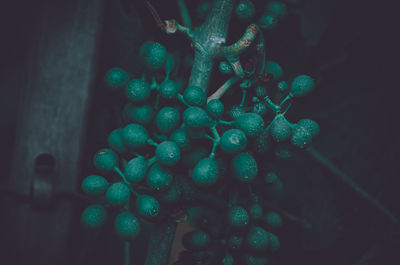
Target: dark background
{"points": [[349, 46]]}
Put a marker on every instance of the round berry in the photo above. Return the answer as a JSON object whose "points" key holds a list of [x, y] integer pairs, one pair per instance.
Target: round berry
{"points": [[115, 141], [238, 218], [94, 216], [135, 169], [235, 112], [105, 159], [169, 89], [118, 193], [225, 68], [275, 69], [181, 138], [137, 90], [168, 153], [311, 126], [196, 117], [301, 137], [167, 119], [196, 240], [206, 172], [116, 78], [135, 135], [244, 168], [301, 85], [273, 220], [260, 108], [126, 225], [159, 178], [277, 8], [233, 141], [245, 10], [262, 143], [282, 86], [274, 243], [250, 123], [280, 128], [94, 185], [153, 54], [141, 114], [215, 108], [268, 21], [147, 206], [195, 96], [228, 259], [256, 211], [257, 239]]}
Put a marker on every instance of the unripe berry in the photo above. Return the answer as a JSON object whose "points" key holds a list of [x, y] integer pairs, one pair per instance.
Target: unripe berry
{"points": [[167, 119], [311, 126], [137, 90], [215, 108], [115, 141], [280, 128], [275, 69], [301, 85], [257, 239], [135, 169], [206, 172], [159, 177], [181, 138], [153, 55], [268, 21], [238, 218], [244, 168], [118, 193], [94, 216], [105, 159], [196, 240], [147, 206], [196, 117], [233, 141], [195, 96], [94, 185], [135, 136], [116, 78], [245, 10], [126, 226], [301, 137], [168, 153], [250, 123], [225, 68], [141, 114], [273, 220], [169, 89]]}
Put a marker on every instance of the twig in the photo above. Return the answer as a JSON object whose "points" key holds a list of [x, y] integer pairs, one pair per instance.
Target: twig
{"points": [[243, 43], [341, 176], [221, 91], [185, 14]]}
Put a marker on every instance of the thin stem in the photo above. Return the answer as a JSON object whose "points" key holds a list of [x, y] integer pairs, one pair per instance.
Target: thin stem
{"points": [[127, 260], [185, 14], [151, 161], [152, 142], [181, 99], [288, 97], [243, 98], [272, 105], [226, 122], [116, 169], [243, 43], [222, 90]]}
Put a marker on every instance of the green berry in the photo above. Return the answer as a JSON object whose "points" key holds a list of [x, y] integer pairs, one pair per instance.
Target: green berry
{"points": [[169, 89], [94, 216], [257, 239], [274, 243], [168, 153], [126, 226], [181, 138], [196, 240], [275, 69], [116, 78], [311, 126], [256, 211], [195, 96], [233, 141], [250, 123], [262, 143], [235, 112], [244, 168], [196, 117], [215, 108], [147, 206], [238, 218], [282, 86], [167, 119], [118, 193], [235, 242], [301, 85], [225, 68], [280, 128], [153, 55], [137, 90], [260, 108], [159, 178], [94, 185], [105, 159], [141, 114], [273, 220], [277, 8], [206, 172], [301, 137], [135, 135], [228, 260], [115, 141], [135, 169], [268, 21], [245, 10]]}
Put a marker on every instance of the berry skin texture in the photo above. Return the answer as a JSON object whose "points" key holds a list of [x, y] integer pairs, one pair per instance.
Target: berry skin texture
{"points": [[228, 259], [168, 153], [181, 138], [260, 108], [275, 69], [262, 143], [94, 185], [169, 89], [94, 216], [196, 117], [273, 220], [238, 218], [115, 141], [235, 112], [250, 123], [282, 86], [195, 96], [244, 168], [141, 114], [118, 194], [196, 240], [301, 85], [135, 169], [245, 10], [274, 242], [206, 172], [301, 137], [135, 135], [159, 178], [105, 159], [147, 206], [153, 55], [280, 128], [311, 126], [167, 119], [137, 90], [127, 226], [257, 239], [233, 141], [116, 78], [215, 108]]}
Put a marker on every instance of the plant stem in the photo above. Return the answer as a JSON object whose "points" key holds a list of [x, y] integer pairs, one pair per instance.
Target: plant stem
{"points": [[127, 260]]}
